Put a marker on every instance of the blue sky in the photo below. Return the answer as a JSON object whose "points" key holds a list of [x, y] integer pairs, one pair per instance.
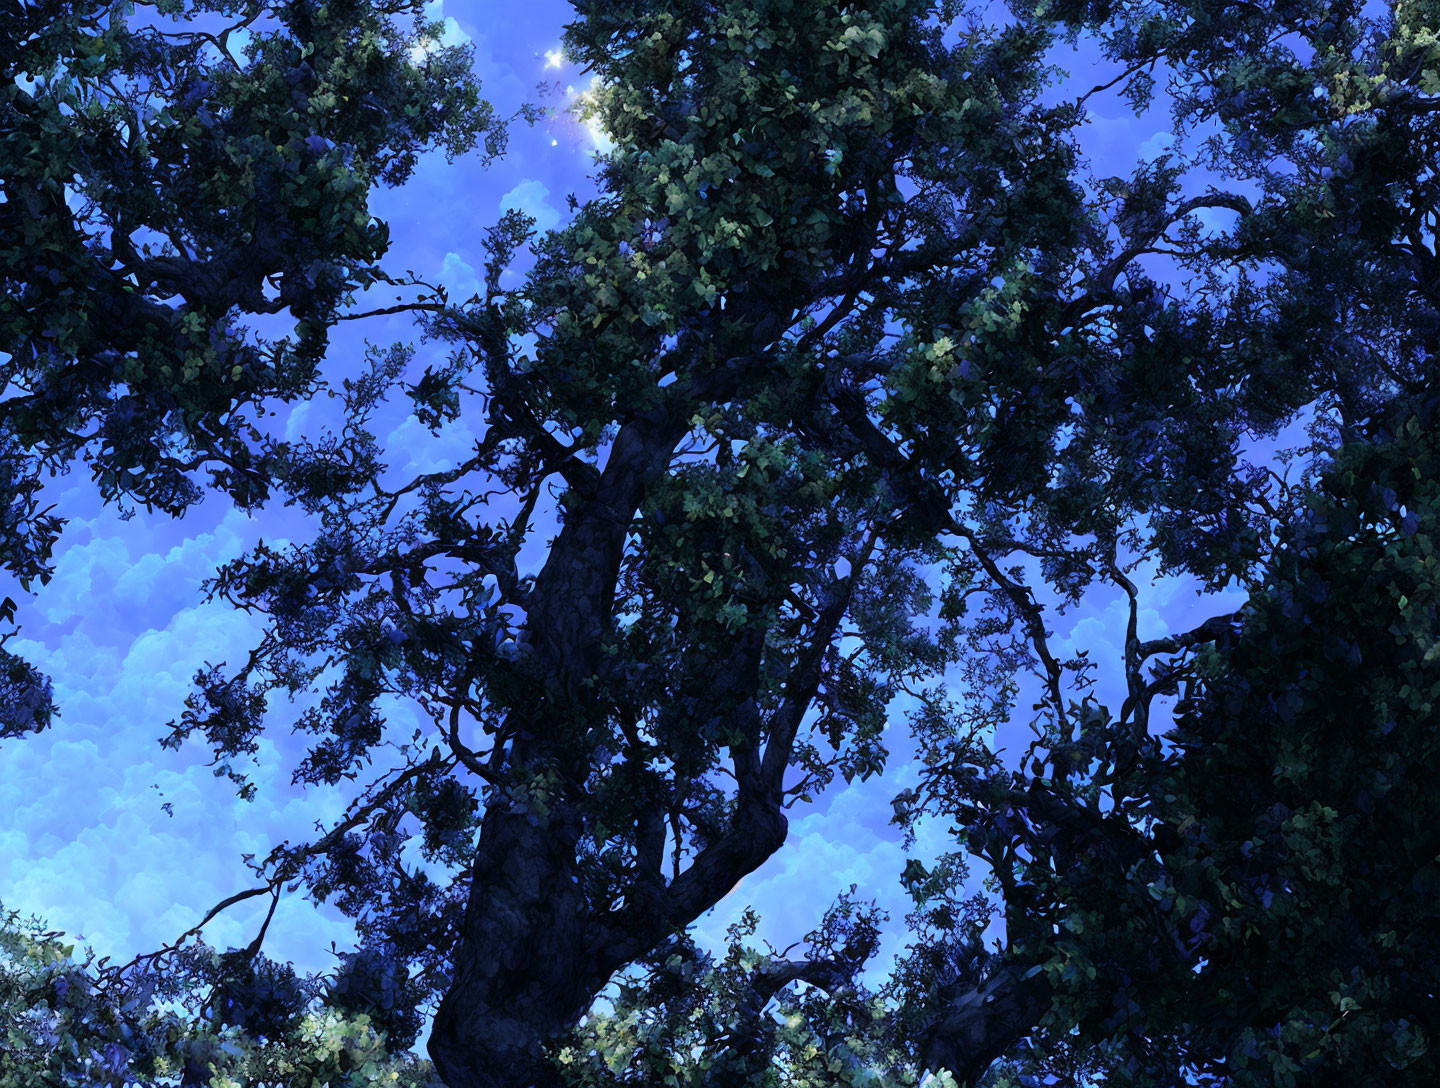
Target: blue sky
{"points": [[84, 840]]}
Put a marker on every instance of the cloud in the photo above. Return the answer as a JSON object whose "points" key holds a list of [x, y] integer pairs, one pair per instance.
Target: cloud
{"points": [[85, 843], [156, 585], [589, 121], [451, 34], [82, 571], [88, 847], [108, 576], [1157, 145], [295, 423], [428, 452], [236, 42], [458, 275], [531, 197], [1217, 221], [845, 839]]}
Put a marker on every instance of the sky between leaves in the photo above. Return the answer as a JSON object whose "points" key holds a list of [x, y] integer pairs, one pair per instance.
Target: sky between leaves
{"points": [[107, 836]]}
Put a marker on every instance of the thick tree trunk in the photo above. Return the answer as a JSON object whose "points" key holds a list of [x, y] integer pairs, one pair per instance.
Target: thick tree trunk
{"points": [[982, 1024], [523, 969], [534, 952], [531, 956]]}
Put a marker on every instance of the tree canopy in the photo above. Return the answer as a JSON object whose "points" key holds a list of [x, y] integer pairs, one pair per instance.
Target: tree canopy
{"points": [[848, 335], [185, 216]]}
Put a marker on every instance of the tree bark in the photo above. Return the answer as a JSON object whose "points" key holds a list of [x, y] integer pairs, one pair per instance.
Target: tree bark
{"points": [[523, 970], [981, 1024], [534, 951], [528, 964]]}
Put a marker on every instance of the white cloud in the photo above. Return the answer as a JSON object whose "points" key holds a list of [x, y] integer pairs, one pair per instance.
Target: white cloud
{"points": [[428, 452], [828, 849], [532, 198], [99, 581], [82, 573], [85, 843], [458, 275], [452, 34], [236, 42], [295, 424], [1157, 145], [590, 122]]}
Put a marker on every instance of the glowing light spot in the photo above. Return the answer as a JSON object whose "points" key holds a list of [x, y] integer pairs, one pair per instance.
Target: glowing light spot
{"points": [[554, 58], [586, 111]]}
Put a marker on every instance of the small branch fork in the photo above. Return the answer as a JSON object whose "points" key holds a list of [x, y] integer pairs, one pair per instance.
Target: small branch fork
{"points": [[1024, 602]]}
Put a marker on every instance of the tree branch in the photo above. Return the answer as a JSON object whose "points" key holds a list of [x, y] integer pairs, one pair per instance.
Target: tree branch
{"points": [[1208, 631]]}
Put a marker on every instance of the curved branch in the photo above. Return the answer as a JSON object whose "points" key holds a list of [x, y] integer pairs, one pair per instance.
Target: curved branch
{"points": [[981, 1024], [1209, 631]]}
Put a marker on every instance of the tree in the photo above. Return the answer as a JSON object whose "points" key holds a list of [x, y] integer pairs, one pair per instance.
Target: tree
{"points": [[1262, 914], [1256, 907], [844, 319], [1245, 904], [165, 182], [842, 309], [63, 1025]]}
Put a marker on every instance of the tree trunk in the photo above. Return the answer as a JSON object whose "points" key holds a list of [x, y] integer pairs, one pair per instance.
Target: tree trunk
{"points": [[524, 970], [982, 1024], [532, 953]]}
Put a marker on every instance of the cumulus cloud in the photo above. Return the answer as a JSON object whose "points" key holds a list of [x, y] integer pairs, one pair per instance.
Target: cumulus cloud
{"points": [[1158, 144], [78, 569], [532, 198], [844, 839], [458, 276], [295, 424], [452, 34], [426, 452], [85, 842]]}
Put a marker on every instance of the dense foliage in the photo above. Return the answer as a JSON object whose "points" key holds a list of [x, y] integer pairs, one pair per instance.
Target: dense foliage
{"points": [[62, 1025], [1235, 905], [848, 334], [840, 289], [1263, 914], [183, 217]]}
